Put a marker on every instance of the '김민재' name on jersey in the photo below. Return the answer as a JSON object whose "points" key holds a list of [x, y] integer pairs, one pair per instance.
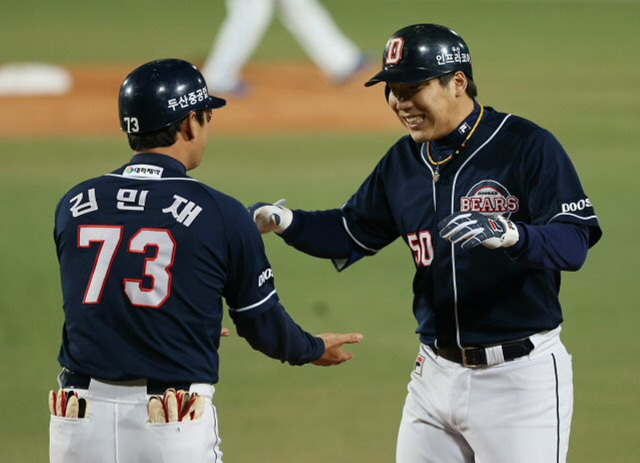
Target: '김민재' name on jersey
{"points": [[183, 210]]}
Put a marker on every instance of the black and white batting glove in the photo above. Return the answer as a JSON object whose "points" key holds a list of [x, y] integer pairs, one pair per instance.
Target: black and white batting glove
{"points": [[472, 228], [271, 217]]}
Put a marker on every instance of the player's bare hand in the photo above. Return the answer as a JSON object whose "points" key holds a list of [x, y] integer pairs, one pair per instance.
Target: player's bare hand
{"points": [[334, 354], [225, 332], [271, 217]]}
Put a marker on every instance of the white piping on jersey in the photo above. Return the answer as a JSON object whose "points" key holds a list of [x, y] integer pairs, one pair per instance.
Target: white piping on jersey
{"points": [[346, 227], [151, 178], [453, 255], [433, 186], [433, 182], [253, 306], [573, 215]]}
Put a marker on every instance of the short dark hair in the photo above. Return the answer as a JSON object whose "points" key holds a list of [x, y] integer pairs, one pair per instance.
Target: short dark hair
{"points": [[159, 138], [472, 90]]}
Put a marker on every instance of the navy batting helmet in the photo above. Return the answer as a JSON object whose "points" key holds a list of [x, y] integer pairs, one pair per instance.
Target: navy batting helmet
{"points": [[422, 52], [161, 92]]}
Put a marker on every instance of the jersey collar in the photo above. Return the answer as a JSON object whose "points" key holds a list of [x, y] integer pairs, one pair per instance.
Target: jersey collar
{"points": [[454, 139], [171, 166]]}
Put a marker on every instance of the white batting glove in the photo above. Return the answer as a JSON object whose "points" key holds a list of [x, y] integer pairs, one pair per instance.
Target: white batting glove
{"points": [[156, 410], [271, 217], [473, 228]]}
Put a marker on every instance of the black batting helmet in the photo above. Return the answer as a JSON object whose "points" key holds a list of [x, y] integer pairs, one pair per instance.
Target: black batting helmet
{"points": [[161, 92], [422, 52]]}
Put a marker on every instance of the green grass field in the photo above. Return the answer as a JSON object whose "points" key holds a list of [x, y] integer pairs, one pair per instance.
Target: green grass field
{"points": [[568, 65]]}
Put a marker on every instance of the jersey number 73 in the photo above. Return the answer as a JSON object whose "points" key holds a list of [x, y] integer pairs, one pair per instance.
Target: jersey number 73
{"points": [[109, 238]]}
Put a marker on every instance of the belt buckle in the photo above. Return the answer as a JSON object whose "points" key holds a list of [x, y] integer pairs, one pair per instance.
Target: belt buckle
{"points": [[463, 353]]}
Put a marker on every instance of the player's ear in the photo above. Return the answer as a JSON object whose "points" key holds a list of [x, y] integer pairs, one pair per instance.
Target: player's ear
{"points": [[459, 82], [389, 96], [187, 127]]}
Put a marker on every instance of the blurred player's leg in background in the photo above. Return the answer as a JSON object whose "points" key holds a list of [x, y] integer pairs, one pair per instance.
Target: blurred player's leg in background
{"points": [[318, 34], [309, 22], [240, 34]]}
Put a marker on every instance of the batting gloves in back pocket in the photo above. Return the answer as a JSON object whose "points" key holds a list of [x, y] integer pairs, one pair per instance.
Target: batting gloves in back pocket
{"points": [[175, 406], [67, 404]]}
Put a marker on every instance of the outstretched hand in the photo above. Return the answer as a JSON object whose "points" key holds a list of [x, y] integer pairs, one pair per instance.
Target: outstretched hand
{"points": [[333, 354], [271, 217]]}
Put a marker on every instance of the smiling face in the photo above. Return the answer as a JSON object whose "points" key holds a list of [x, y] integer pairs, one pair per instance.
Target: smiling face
{"points": [[430, 110]]}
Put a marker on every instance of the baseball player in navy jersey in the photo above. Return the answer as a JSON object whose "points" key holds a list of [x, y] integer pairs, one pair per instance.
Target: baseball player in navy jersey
{"points": [[492, 210], [146, 255]]}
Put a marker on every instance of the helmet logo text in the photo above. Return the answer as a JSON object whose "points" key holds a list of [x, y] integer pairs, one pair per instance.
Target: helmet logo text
{"points": [[189, 99], [456, 56], [394, 50]]}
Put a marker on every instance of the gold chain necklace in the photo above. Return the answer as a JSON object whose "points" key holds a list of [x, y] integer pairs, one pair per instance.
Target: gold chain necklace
{"points": [[437, 164]]}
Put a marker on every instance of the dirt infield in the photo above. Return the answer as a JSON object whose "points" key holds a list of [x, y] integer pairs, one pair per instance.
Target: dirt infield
{"points": [[283, 98]]}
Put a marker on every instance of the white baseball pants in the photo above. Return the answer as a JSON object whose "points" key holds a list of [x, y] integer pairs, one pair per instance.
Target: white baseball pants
{"points": [[246, 23], [519, 411], [117, 430]]}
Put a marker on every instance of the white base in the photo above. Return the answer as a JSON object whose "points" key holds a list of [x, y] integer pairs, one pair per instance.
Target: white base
{"points": [[25, 79]]}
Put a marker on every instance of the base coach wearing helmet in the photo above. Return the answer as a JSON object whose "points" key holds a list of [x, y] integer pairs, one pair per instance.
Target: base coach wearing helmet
{"points": [[146, 255], [492, 210]]}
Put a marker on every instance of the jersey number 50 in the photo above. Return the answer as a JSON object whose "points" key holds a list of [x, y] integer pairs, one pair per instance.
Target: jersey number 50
{"points": [[156, 267], [422, 247]]}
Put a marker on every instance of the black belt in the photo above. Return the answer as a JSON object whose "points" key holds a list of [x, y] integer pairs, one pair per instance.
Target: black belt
{"points": [[477, 356], [72, 380]]}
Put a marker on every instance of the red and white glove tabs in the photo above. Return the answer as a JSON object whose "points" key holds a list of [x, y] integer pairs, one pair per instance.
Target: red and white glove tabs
{"points": [[67, 404], [175, 406]]}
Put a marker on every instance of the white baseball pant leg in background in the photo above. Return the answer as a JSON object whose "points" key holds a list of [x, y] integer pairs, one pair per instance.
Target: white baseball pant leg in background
{"points": [[321, 38], [518, 411], [239, 36], [246, 23], [117, 429]]}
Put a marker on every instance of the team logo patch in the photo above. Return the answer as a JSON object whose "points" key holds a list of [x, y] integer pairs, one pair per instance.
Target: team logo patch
{"points": [[490, 198], [417, 369], [143, 171], [394, 50]]}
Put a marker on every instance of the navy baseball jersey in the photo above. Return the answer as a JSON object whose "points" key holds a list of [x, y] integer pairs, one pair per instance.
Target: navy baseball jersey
{"points": [[146, 255], [510, 167]]}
